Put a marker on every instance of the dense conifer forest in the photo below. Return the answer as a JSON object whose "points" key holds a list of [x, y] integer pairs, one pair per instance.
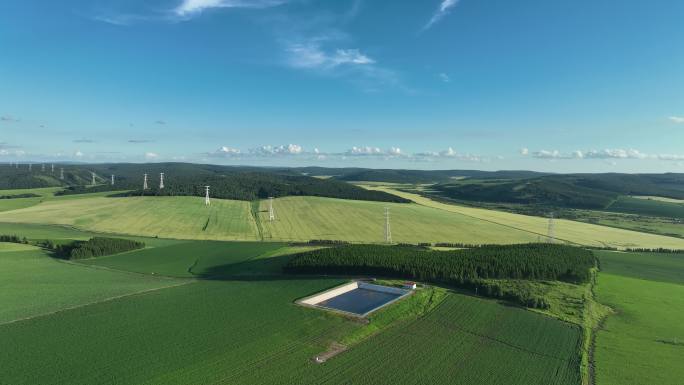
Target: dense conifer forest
{"points": [[539, 261], [95, 247]]}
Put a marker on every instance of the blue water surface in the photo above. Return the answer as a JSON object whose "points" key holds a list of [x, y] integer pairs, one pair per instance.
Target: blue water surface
{"points": [[359, 301]]}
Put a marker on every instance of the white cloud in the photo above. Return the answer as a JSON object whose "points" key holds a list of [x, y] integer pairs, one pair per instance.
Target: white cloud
{"points": [[450, 153], [671, 157], [546, 154], [444, 8], [606, 154], [311, 56], [192, 7], [616, 153], [225, 150], [524, 151], [677, 119], [151, 155], [8, 119], [366, 150], [396, 151], [78, 154], [290, 149], [444, 77]]}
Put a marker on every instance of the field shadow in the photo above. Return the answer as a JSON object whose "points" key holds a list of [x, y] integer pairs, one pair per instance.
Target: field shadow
{"points": [[258, 269]]}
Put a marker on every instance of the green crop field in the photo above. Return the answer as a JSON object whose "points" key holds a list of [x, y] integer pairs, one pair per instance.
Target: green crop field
{"points": [[662, 267], [43, 192], [642, 343], [464, 341], [20, 203], [186, 259], [304, 218], [31, 283], [571, 231], [208, 332], [169, 217], [214, 332]]}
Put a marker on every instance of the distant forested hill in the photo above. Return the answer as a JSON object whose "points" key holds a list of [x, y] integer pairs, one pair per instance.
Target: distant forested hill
{"points": [[584, 191], [243, 183], [418, 176]]}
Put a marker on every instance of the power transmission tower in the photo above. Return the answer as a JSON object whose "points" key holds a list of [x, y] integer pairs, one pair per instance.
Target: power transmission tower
{"points": [[388, 231], [551, 230], [145, 182], [42, 167], [30, 166], [93, 182], [271, 213], [112, 179], [161, 180], [207, 202], [61, 173], [52, 168]]}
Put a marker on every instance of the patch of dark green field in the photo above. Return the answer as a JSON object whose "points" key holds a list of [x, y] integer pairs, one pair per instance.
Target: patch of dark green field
{"points": [[647, 207], [203, 259]]}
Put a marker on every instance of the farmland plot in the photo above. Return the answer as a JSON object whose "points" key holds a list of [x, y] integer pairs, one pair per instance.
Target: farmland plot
{"points": [[305, 218], [31, 283], [186, 259], [167, 217], [464, 341], [566, 230]]}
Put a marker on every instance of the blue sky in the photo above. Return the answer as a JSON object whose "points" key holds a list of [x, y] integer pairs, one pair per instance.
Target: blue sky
{"points": [[560, 86]]}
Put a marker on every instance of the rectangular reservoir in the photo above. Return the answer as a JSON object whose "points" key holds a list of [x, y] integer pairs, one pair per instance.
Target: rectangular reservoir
{"points": [[356, 298]]}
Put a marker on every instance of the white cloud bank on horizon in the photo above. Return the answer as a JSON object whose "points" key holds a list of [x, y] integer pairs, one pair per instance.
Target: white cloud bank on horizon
{"points": [[614, 153]]}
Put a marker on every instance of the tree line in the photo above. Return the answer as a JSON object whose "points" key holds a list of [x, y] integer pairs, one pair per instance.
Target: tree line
{"points": [[13, 239], [467, 268], [95, 247]]}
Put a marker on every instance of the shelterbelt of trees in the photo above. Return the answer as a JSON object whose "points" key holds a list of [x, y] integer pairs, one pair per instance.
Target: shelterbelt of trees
{"points": [[467, 268], [95, 247]]}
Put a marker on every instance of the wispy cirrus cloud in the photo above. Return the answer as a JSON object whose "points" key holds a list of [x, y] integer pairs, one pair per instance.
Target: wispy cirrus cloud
{"points": [[189, 8], [677, 119], [444, 8], [311, 55], [138, 141], [84, 140]]}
